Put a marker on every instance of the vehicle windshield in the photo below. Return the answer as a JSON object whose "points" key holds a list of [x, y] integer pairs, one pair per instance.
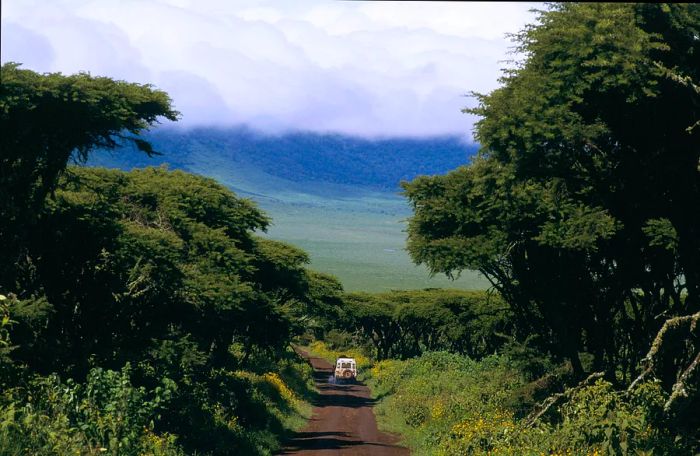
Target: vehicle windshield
{"points": [[346, 365]]}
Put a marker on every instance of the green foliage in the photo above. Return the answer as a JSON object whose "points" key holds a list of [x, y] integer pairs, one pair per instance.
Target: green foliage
{"points": [[105, 415], [222, 411], [127, 259], [5, 323], [158, 270], [661, 233], [446, 404], [163, 270], [108, 415], [402, 324], [616, 423], [330, 354], [581, 207], [48, 118], [5, 341], [219, 413], [424, 397]]}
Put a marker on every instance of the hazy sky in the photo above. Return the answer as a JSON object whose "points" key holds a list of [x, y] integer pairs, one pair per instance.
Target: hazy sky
{"points": [[368, 68]]}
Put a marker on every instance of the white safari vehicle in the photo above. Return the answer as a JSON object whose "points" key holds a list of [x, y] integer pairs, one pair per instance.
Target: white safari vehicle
{"points": [[345, 369]]}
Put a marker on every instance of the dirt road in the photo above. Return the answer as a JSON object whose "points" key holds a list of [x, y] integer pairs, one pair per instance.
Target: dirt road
{"points": [[342, 423]]}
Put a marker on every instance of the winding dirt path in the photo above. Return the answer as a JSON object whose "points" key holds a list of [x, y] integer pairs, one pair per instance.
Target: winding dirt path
{"points": [[342, 423]]}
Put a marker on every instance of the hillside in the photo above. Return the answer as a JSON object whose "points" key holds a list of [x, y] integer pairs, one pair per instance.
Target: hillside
{"points": [[337, 197], [303, 157]]}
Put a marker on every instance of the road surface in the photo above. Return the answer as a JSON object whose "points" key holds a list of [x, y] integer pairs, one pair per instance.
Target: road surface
{"points": [[342, 423]]}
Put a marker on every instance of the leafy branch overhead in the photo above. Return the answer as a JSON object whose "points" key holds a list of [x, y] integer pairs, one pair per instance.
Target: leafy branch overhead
{"points": [[49, 119]]}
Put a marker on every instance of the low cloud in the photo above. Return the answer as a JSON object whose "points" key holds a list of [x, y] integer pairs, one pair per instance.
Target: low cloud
{"points": [[372, 69]]}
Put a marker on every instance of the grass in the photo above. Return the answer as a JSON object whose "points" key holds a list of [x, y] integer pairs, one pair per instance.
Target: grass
{"points": [[361, 242]]}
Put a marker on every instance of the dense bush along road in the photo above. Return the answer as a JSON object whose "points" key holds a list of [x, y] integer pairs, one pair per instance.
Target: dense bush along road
{"points": [[343, 422]]}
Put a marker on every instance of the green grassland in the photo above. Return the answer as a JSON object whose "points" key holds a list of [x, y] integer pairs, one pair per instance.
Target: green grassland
{"points": [[358, 235], [364, 249], [351, 230]]}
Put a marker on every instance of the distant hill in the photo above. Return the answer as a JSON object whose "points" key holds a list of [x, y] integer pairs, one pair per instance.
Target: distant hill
{"points": [[299, 157], [336, 197]]}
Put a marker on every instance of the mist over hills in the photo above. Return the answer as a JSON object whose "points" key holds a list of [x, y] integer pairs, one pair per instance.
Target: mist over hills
{"points": [[335, 196]]}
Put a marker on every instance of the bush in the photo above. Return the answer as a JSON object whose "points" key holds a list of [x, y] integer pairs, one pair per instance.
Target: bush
{"points": [[321, 349], [447, 404], [106, 415], [223, 413], [424, 398], [5, 344], [336, 339], [615, 422]]}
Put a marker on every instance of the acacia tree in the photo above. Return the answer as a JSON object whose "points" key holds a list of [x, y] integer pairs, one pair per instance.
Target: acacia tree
{"points": [[47, 119], [373, 316], [403, 324], [582, 206]]}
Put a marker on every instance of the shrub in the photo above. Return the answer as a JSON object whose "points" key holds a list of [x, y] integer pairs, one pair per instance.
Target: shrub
{"points": [[322, 350], [433, 398], [447, 404], [106, 415]]}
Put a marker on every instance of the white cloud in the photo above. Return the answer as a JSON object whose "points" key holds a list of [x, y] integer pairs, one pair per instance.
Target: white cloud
{"points": [[369, 68]]}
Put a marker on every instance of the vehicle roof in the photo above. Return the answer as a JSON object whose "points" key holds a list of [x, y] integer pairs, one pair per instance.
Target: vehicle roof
{"points": [[345, 359]]}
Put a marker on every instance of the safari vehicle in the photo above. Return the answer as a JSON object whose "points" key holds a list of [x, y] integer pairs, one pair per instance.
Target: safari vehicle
{"points": [[345, 369]]}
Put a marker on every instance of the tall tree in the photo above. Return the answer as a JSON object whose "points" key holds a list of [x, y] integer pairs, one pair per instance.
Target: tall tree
{"points": [[583, 206], [48, 119]]}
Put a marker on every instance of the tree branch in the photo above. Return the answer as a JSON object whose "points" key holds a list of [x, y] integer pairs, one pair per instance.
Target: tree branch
{"points": [[556, 399]]}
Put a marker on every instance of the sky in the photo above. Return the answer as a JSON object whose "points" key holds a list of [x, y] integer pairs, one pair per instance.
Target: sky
{"points": [[362, 68]]}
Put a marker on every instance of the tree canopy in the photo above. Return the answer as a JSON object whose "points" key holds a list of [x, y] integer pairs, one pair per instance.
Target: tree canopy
{"points": [[582, 207], [48, 119], [403, 324]]}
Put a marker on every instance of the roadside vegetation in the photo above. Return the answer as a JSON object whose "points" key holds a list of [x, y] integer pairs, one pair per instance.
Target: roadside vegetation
{"points": [[491, 391], [580, 208], [447, 404]]}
